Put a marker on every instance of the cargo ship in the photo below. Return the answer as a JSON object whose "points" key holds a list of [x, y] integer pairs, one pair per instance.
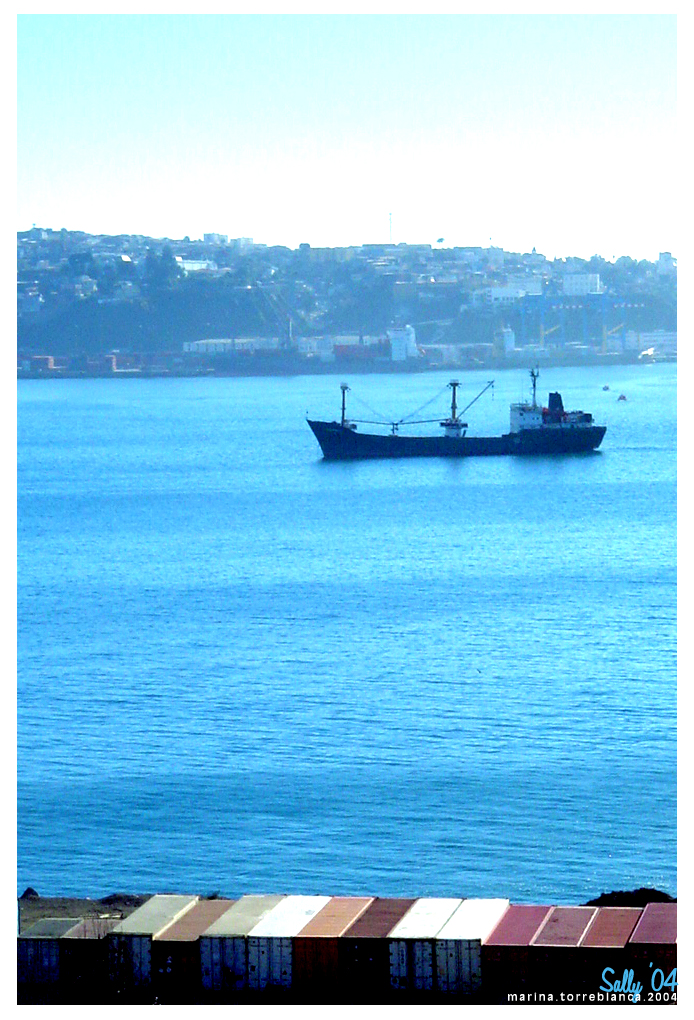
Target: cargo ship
{"points": [[534, 431]]}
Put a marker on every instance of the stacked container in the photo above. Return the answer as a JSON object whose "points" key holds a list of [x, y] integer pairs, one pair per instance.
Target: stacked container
{"points": [[652, 950], [364, 961], [224, 947], [411, 944], [553, 960], [351, 949], [506, 952], [84, 960], [270, 954], [603, 946], [38, 954], [130, 943], [459, 944], [176, 952], [316, 947]]}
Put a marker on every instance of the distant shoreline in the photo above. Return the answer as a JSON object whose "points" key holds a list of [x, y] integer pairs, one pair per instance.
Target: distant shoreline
{"points": [[264, 372]]}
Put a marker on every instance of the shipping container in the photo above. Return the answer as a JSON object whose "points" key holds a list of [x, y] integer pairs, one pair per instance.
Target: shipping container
{"points": [[458, 946], [411, 944], [176, 952], [506, 952], [316, 955], [611, 927], [657, 925], [130, 942], [555, 963], [652, 950], [270, 951], [565, 926], [84, 961], [223, 946], [38, 951], [363, 957], [602, 949]]}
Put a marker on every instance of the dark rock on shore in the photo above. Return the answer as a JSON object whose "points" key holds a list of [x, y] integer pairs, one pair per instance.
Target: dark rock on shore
{"points": [[635, 898]]}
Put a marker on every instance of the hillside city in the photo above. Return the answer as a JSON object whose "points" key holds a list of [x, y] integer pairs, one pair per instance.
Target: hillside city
{"points": [[134, 305]]}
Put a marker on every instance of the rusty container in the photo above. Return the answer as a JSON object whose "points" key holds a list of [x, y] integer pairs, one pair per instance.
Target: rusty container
{"points": [[652, 952], [363, 958], [316, 954], [554, 961], [602, 955], [506, 953], [176, 974]]}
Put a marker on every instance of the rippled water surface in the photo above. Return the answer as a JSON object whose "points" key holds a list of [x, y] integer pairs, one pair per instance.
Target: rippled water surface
{"points": [[243, 669]]}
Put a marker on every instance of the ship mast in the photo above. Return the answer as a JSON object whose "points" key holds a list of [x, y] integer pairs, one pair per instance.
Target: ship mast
{"points": [[454, 384], [344, 387], [534, 375]]}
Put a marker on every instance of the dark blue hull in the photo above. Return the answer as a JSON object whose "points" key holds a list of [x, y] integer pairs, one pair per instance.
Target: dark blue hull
{"points": [[340, 443]]}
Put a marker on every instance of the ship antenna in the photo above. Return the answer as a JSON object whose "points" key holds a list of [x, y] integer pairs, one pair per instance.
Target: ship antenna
{"points": [[534, 375], [344, 387], [454, 384]]}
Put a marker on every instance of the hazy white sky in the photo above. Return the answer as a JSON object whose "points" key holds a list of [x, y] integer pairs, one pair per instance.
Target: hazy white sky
{"points": [[548, 131]]}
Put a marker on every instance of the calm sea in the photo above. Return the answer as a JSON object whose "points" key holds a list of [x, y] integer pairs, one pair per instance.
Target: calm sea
{"points": [[243, 669]]}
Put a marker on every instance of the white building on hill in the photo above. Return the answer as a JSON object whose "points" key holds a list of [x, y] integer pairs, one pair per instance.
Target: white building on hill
{"points": [[577, 284]]}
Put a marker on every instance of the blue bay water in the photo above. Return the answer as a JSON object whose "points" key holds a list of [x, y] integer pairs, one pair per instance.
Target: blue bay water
{"points": [[243, 669]]}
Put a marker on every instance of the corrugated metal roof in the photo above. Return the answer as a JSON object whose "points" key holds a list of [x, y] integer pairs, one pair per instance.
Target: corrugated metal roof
{"points": [[379, 919], [195, 921], [611, 927], [658, 924], [565, 926], [474, 920], [336, 917], [289, 916], [243, 916], [518, 925], [154, 915], [425, 918], [50, 928]]}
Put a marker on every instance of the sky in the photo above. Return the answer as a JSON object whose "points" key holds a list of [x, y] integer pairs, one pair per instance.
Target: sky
{"points": [[554, 132]]}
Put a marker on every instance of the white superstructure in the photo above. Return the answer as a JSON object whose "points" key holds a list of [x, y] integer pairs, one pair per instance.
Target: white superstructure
{"points": [[525, 416], [533, 416], [403, 343]]}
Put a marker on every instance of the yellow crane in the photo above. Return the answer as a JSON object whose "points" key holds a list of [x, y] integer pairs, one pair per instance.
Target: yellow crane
{"points": [[608, 332], [545, 332]]}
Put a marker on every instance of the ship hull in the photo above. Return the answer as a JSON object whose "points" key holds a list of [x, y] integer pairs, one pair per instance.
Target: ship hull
{"points": [[557, 439], [340, 443]]}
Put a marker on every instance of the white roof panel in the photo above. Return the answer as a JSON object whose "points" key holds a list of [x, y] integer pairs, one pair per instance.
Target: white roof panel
{"points": [[425, 918], [289, 916], [474, 920]]}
